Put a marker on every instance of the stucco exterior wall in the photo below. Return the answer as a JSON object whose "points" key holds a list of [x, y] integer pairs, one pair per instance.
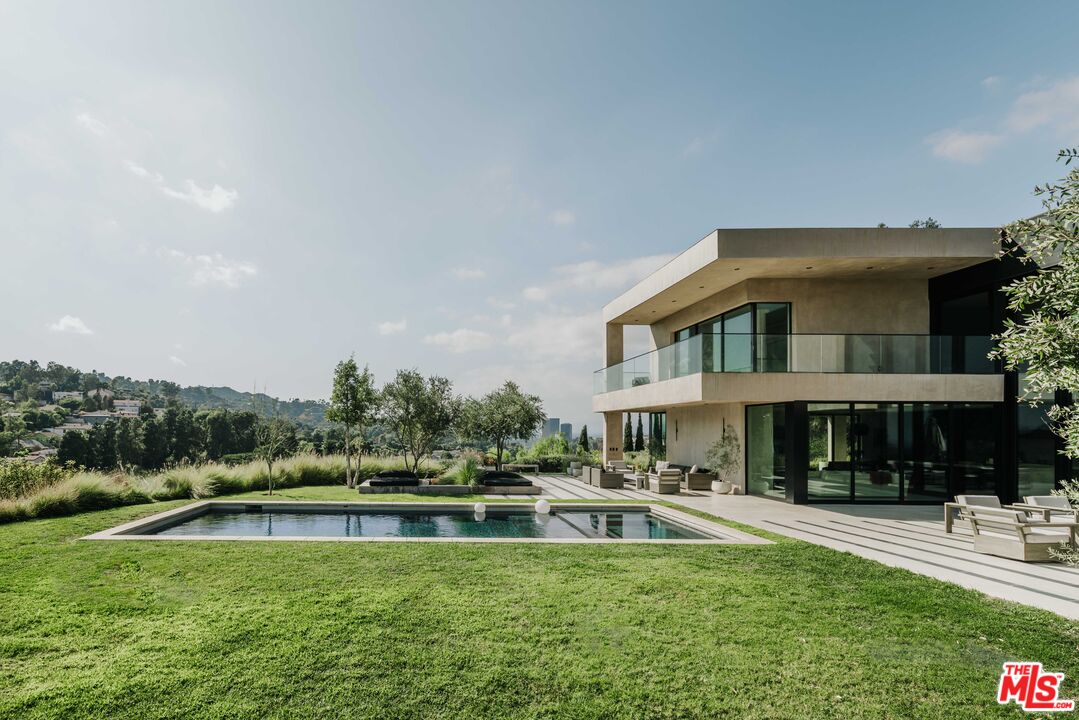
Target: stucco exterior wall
{"points": [[692, 430]]}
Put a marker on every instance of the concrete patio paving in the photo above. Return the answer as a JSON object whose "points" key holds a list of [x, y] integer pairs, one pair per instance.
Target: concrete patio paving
{"points": [[910, 537]]}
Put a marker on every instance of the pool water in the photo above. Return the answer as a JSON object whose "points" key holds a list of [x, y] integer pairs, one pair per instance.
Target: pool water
{"points": [[574, 524]]}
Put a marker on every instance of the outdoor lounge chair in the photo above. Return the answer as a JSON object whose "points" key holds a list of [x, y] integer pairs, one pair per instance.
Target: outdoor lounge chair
{"points": [[665, 481], [395, 478], [1048, 507], [618, 466], [601, 478], [1011, 534]]}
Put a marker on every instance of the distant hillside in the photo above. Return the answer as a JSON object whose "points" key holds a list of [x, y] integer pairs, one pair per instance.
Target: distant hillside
{"points": [[308, 412], [31, 380]]}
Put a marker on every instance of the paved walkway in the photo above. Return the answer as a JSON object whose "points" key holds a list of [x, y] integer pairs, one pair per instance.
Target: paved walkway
{"points": [[910, 537]]}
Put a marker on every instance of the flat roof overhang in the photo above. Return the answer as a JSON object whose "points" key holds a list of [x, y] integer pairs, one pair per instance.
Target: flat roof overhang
{"points": [[727, 257], [756, 388]]}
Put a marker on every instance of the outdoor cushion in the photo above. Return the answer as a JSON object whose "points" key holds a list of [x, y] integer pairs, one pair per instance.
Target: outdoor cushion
{"points": [[394, 481], [502, 478], [694, 469]]}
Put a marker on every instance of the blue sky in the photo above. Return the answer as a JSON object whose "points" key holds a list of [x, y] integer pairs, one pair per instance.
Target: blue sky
{"points": [[245, 193]]}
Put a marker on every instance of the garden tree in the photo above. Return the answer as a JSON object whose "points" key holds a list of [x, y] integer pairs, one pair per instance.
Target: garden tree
{"points": [[584, 445], [12, 430], [183, 433], [638, 443], [128, 443], [928, 224], [219, 436], [1044, 341], [146, 409], [275, 439], [103, 445], [500, 416], [75, 448], [353, 403], [627, 434], [419, 412], [155, 443]]}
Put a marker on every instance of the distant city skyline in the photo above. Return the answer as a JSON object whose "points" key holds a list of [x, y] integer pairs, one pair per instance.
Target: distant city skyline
{"points": [[460, 187]]}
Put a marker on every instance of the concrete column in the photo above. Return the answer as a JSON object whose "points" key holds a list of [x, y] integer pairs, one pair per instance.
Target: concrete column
{"points": [[614, 344], [612, 436]]}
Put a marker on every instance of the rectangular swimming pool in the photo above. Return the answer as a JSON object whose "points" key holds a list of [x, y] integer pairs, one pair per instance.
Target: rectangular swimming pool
{"points": [[509, 522]]}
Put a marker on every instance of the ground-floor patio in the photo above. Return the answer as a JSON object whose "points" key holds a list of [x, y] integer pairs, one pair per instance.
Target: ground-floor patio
{"points": [[905, 536]]}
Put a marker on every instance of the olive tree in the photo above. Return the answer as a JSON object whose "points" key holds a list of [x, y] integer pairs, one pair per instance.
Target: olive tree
{"points": [[354, 404], [275, 441], [500, 416], [1042, 339], [419, 411]]}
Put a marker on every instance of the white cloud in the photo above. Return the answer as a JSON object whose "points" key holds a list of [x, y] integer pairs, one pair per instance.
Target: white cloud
{"points": [[177, 361], [1057, 106], [992, 82], [500, 304], [70, 324], [560, 333], [91, 124], [212, 269], [216, 199], [1054, 107], [461, 340], [964, 147], [563, 217], [392, 328], [594, 276], [534, 293], [139, 171], [465, 273]]}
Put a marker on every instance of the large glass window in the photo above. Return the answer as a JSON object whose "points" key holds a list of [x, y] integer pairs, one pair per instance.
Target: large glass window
{"points": [[828, 474], [738, 340], [766, 448], [773, 336], [975, 427], [1035, 444], [925, 451], [875, 451], [752, 337]]}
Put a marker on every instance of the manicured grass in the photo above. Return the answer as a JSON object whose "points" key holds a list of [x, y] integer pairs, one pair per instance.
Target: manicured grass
{"points": [[428, 630]]}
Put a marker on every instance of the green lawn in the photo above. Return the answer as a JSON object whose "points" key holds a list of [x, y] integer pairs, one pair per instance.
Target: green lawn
{"points": [[431, 630]]}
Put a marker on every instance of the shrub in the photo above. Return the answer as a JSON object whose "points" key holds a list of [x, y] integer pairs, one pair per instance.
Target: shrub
{"points": [[21, 477], [467, 471]]}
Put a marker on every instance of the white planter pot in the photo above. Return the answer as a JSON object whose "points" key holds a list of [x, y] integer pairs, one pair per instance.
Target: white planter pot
{"points": [[721, 487]]}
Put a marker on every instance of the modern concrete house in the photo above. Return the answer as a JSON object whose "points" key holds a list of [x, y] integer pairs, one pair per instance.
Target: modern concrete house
{"points": [[850, 362]]}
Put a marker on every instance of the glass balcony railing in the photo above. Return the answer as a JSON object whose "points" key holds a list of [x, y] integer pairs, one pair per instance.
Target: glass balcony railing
{"points": [[817, 353]]}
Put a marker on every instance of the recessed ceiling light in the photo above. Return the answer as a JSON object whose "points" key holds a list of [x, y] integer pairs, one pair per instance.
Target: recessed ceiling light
{"points": [[809, 267], [932, 267], [674, 301], [702, 287], [868, 267], [736, 269]]}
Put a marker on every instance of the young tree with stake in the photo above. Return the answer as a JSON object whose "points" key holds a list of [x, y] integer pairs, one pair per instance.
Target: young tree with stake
{"points": [[354, 404]]}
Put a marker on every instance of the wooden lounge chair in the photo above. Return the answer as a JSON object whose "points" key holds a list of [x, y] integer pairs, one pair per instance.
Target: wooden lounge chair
{"points": [[618, 466], [1011, 534], [958, 510], [1048, 507]]}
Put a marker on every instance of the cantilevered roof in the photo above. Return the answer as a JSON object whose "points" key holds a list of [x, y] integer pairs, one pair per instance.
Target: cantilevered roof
{"points": [[727, 257]]}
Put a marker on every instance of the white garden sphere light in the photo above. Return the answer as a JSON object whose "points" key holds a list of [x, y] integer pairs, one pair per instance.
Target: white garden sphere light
{"points": [[480, 507], [543, 507]]}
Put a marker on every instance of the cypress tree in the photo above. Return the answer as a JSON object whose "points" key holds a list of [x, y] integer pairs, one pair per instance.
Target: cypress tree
{"points": [[638, 444], [627, 435]]}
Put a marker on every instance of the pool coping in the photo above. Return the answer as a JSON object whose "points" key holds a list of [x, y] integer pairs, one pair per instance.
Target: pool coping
{"points": [[137, 529]]}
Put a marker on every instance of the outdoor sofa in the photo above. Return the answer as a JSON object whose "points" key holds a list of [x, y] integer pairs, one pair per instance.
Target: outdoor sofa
{"points": [[601, 478], [1012, 534]]}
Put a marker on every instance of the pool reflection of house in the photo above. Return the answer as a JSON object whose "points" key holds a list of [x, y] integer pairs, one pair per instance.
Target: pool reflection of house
{"points": [[850, 362]]}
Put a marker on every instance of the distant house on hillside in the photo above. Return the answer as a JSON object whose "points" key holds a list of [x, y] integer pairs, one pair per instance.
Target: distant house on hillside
{"points": [[100, 393], [40, 456], [127, 408], [98, 417], [58, 395]]}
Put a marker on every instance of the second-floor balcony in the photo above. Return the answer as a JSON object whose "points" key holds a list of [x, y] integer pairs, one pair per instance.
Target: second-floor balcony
{"points": [[802, 353]]}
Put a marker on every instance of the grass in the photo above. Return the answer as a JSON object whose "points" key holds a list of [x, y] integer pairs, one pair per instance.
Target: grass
{"points": [[429, 630]]}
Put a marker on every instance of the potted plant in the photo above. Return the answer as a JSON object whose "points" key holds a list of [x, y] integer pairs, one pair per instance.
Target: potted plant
{"points": [[725, 457]]}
